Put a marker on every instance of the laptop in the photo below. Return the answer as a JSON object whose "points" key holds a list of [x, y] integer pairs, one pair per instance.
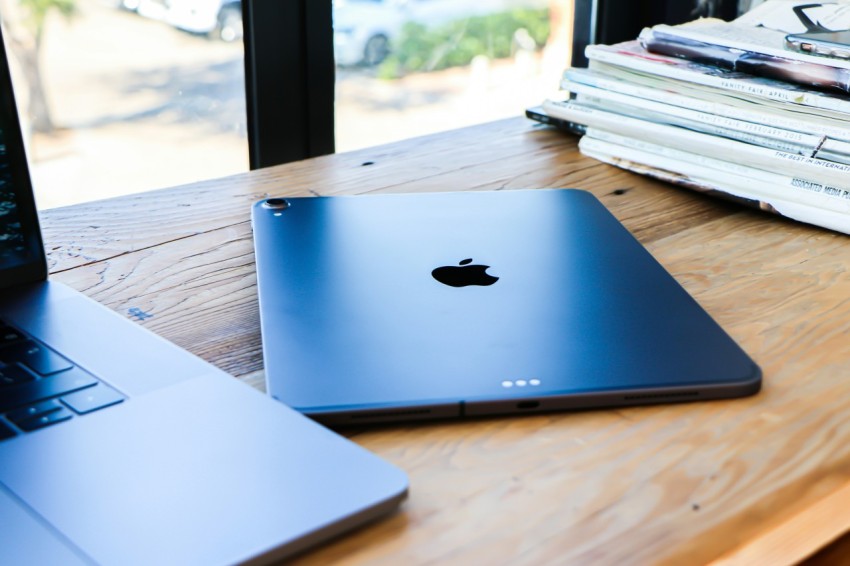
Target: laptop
{"points": [[423, 306], [117, 447]]}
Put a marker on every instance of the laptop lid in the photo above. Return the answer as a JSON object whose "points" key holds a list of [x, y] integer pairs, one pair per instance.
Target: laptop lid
{"points": [[118, 447], [22, 258], [436, 305]]}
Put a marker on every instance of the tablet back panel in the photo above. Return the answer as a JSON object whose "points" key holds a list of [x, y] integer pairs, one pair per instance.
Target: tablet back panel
{"points": [[362, 318]]}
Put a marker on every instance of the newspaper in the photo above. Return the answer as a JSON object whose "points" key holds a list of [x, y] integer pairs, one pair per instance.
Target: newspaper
{"points": [[754, 42], [748, 182], [745, 130], [712, 182], [829, 173]]}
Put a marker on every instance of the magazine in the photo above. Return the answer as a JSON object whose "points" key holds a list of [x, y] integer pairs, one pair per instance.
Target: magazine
{"points": [[765, 135], [709, 101], [716, 185], [684, 104], [803, 147], [748, 180], [754, 43], [612, 156], [827, 172], [537, 114], [631, 59]]}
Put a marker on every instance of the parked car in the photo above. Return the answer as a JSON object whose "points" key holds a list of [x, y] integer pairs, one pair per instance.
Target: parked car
{"points": [[221, 19], [363, 29]]}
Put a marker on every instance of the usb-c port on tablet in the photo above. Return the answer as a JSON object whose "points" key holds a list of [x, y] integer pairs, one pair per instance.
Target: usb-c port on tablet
{"points": [[528, 404]]}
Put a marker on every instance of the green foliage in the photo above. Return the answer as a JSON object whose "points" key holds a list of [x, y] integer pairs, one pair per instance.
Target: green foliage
{"points": [[37, 11], [455, 44]]}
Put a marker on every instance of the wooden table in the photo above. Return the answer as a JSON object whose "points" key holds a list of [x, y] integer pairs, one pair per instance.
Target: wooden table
{"points": [[763, 479]]}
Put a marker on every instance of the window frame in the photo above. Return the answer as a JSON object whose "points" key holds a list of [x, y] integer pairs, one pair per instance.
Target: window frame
{"points": [[289, 79], [290, 69]]}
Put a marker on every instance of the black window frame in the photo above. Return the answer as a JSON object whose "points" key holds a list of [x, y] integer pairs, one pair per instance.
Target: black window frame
{"points": [[290, 69], [289, 79], [613, 21]]}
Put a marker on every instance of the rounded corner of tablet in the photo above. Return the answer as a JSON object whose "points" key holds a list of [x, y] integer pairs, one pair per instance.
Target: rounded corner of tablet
{"points": [[751, 384]]}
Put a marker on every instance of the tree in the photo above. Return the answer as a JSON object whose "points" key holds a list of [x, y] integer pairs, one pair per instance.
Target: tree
{"points": [[24, 23]]}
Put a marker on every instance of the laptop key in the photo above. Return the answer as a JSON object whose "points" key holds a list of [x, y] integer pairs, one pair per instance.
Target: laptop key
{"points": [[35, 410], [54, 417], [6, 431], [92, 399], [36, 357], [9, 335], [10, 375], [52, 386]]}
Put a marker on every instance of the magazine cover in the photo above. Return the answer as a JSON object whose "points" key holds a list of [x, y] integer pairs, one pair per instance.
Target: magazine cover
{"points": [[755, 42], [653, 67]]}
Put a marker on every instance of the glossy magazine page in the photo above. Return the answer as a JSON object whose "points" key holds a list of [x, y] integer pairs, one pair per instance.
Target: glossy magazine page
{"points": [[653, 68], [754, 43]]}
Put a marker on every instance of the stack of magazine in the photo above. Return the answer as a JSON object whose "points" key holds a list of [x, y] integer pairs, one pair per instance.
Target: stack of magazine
{"points": [[724, 108]]}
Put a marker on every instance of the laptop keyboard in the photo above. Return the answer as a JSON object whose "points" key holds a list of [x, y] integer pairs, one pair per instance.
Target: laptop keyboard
{"points": [[40, 388]]}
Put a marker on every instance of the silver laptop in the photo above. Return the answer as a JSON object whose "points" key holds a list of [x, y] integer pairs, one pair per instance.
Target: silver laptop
{"points": [[424, 306], [117, 447]]}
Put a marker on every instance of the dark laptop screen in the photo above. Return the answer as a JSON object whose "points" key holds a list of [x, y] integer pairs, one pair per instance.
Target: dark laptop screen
{"points": [[13, 249], [21, 251]]}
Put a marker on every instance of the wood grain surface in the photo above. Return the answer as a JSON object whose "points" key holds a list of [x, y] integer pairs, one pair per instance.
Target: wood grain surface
{"points": [[761, 480]]}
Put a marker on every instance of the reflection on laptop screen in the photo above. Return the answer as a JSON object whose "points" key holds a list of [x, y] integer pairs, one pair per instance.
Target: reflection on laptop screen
{"points": [[13, 249]]}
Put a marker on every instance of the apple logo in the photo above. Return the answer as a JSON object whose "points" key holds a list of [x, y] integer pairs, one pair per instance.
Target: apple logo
{"points": [[464, 274]]}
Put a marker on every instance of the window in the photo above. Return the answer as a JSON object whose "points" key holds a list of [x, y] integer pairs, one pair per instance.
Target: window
{"points": [[462, 60], [292, 94], [411, 67], [122, 96], [125, 96]]}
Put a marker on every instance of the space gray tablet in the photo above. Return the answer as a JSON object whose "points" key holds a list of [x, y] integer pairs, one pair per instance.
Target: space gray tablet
{"points": [[420, 306]]}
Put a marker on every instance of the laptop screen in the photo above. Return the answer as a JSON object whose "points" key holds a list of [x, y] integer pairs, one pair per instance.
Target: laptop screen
{"points": [[21, 251], [13, 249]]}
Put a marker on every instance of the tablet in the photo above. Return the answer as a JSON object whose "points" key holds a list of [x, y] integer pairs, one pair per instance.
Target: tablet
{"points": [[439, 305]]}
